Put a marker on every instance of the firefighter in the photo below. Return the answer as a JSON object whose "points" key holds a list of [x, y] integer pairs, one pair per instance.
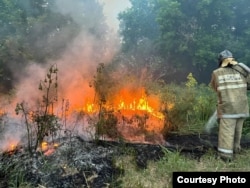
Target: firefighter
{"points": [[230, 81]]}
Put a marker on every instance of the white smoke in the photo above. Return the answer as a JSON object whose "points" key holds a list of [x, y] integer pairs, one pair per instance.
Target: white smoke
{"points": [[111, 9], [76, 66], [13, 133]]}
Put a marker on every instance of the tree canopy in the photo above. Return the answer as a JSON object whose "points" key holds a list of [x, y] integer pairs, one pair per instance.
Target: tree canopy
{"points": [[39, 30], [191, 32], [170, 37]]}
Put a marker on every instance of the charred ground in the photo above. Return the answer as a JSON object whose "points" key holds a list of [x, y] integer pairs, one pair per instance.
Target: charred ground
{"points": [[79, 163]]}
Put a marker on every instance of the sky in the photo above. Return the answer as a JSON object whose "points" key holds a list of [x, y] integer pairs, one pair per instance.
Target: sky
{"points": [[111, 10]]}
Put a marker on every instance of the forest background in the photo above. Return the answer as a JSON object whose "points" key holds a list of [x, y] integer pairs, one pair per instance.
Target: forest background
{"points": [[170, 37]]}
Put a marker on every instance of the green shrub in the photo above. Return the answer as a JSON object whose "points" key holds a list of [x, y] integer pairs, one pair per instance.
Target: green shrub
{"points": [[188, 106]]}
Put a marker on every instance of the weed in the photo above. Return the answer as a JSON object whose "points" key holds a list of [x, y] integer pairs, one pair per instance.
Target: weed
{"points": [[41, 122]]}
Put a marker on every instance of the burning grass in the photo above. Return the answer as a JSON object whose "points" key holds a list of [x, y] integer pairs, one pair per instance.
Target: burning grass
{"points": [[128, 111], [118, 137]]}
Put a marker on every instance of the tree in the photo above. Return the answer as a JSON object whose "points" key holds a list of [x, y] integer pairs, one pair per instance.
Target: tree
{"points": [[27, 26], [13, 21], [192, 32], [138, 24], [39, 30], [201, 30]]}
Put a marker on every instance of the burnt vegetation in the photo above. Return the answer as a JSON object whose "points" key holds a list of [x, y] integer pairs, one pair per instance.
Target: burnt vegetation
{"points": [[41, 122], [69, 160]]}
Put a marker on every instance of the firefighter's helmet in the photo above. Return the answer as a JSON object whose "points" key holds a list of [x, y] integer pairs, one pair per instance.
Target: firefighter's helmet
{"points": [[224, 55]]}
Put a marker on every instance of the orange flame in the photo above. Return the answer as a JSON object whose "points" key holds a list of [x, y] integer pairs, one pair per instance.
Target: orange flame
{"points": [[48, 148], [55, 145], [2, 112], [11, 146], [129, 102], [132, 104], [44, 146]]}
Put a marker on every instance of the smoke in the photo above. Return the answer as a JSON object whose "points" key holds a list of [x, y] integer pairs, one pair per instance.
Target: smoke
{"points": [[111, 9], [78, 63], [96, 43], [13, 133]]}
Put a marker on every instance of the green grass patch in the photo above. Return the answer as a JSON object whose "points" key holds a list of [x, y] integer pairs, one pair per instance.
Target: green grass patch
{"points": [[159, 173]]}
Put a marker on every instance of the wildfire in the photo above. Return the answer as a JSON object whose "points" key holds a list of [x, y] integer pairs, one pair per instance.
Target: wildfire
{"points": [[129, 102], [89, 108], [48, 148], [135, 112], [139, 105], [44, 146], [10, 147], [2, 112]]}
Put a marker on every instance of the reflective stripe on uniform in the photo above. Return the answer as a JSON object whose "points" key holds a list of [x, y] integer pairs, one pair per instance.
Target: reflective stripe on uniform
{"points": [[234, 86], [229, 78], [234, 115], [228, 151]]}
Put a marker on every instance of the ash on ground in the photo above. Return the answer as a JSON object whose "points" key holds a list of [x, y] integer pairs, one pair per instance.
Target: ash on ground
{"points": [[75, 162]]}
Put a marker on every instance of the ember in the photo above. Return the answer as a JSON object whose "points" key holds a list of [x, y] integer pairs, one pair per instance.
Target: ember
{"points": [[1, 112], [10, 147], [48, 148], [44, 146]]}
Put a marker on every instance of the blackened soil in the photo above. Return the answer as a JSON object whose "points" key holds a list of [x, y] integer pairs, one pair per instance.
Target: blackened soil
{"points": [[197, 141], [191, 145], [80, 163]]}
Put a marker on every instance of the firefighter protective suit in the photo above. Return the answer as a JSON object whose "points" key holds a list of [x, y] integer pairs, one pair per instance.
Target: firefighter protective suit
{"points": [[230, 83]]}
